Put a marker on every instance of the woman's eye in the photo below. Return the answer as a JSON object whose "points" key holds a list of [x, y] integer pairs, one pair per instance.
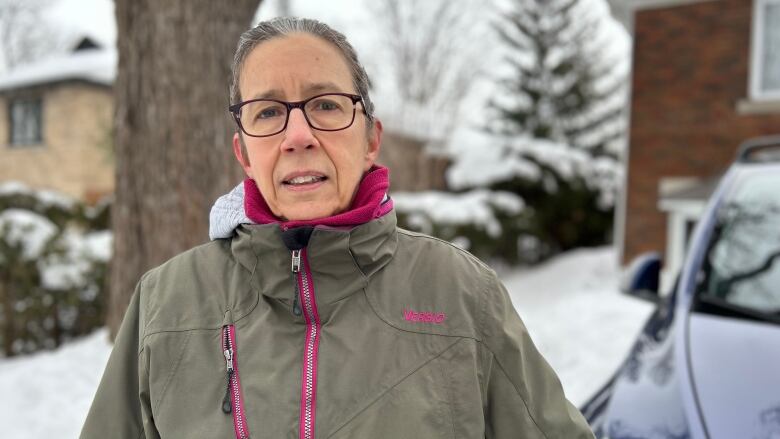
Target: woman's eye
{"points": [[325, 105], [268, 113]]}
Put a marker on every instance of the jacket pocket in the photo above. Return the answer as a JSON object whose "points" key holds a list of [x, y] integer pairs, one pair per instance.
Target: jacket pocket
{"points": [[187, 384]]}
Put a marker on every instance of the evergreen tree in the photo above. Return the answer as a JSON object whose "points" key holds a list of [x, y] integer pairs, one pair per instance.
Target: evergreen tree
{"points": [[562, 113]]}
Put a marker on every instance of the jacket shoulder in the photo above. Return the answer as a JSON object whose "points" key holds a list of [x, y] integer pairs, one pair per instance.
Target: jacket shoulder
{"points": [[432, 286], [201, 288]]}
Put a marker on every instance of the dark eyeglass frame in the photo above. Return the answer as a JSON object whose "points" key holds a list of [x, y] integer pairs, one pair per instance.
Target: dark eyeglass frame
{"points": [[235, 110]]}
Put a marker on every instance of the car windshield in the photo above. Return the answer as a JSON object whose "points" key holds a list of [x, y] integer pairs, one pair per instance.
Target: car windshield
{"points": [[742, 265]]}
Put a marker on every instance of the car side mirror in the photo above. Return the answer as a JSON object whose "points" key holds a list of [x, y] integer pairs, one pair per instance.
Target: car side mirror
{"points": [[642, 278]]}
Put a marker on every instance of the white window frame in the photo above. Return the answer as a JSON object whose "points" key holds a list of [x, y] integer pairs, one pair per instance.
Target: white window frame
{"points": [[757, 48]]}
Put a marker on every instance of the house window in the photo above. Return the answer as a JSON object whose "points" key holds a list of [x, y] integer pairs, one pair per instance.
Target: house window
{"points": [[26, 122], [765, 72]]}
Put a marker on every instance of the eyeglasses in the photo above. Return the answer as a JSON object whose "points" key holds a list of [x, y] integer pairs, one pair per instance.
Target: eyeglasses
{"points": [[267, 117]]}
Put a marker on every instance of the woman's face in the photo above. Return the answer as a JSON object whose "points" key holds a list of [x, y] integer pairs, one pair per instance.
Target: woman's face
{"points": [[304, 173]]}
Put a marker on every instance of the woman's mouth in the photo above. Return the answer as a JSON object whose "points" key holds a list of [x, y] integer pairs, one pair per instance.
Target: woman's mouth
{"points": [[304, 182], [305, 179]]}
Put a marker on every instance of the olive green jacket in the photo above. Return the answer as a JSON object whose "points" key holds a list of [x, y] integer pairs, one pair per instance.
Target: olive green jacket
{"points": [[372, 332]]}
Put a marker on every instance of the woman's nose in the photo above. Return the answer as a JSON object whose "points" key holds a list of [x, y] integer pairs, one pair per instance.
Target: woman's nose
{"points": [[298, 133]]}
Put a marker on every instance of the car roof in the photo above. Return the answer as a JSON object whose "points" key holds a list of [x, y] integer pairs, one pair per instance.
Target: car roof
{"points": [[760, 150]]}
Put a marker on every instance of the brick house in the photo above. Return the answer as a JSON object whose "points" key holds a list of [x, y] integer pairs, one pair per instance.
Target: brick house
{"points": [[55, 123], [705, 77]]}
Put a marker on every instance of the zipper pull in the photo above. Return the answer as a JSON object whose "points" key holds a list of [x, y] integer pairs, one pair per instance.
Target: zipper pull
{"points": [[296, 268], [296, 305], [228, 360], [227, 404], [296, 261]]}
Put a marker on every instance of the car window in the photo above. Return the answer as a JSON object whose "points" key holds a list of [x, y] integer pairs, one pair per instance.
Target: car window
{"points": [[742, 264]]}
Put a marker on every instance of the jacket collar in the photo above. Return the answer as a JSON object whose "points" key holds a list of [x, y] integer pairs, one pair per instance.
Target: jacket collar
{"points": [[370, 201], [343, 251], [245, 205], [341, 259]]}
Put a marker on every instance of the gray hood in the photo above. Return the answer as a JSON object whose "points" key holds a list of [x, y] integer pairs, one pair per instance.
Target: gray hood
{"points": [[227, 214]]}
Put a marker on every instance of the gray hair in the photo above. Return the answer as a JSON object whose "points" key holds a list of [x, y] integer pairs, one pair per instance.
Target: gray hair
{"points": [[282, 26]]}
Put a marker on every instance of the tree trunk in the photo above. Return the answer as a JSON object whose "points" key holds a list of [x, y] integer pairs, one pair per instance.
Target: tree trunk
{"points": [[8, 321], [172, 130]]}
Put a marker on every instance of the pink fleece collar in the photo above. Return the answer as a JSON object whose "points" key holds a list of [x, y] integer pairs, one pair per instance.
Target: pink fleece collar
{"points": [[367, 205]]}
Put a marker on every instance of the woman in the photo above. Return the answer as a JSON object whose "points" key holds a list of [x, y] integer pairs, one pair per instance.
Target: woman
{"points": [[310, 314]]}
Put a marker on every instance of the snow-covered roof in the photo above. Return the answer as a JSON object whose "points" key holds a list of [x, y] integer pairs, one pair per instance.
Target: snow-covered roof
{"points": [[92, 65]]}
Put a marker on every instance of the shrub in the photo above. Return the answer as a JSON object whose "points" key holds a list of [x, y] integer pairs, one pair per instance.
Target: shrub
{"points": [[495, 226], [54, 254]]}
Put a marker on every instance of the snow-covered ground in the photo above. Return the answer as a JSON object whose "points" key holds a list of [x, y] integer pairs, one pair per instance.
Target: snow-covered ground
{"points": [[47, 395], [570, 305], [577, 318]]}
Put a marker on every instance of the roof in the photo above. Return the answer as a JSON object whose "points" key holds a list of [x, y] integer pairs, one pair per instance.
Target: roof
{"points": [[87, 64], [690, 199], [700, 190]]}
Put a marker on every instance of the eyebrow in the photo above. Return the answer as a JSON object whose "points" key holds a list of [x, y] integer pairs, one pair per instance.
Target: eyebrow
{"points": [[309, 89]]}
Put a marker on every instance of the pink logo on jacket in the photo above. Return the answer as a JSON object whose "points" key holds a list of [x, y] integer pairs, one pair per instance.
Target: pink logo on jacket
{"points": [[424, 316]]}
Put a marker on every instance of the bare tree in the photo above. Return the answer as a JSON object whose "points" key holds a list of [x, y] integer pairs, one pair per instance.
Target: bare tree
{"points": [[172, 130], [22, 36], [434, 56]]}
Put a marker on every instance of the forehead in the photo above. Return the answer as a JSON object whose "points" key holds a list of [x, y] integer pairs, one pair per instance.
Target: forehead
{"points": [[292, 67]]}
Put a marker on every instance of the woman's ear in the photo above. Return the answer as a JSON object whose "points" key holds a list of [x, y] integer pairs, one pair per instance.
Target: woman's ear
{"points": [[374, 144], [239, 150]]}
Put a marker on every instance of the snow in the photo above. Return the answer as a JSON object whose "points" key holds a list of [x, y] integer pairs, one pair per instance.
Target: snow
{"points": [[68, 259], [28, 229], [53, 198], [14, 187], [94, 65], [577, 318], [474, 207], [490, 164], [570, 305], [98, 246], [92, 18], [68, 270], [502, 157], [46, 197], [48, 394]]}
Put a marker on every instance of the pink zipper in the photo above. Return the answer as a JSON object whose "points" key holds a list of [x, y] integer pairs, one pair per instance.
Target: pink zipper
{"points": [[311, 345], [233, 399]]}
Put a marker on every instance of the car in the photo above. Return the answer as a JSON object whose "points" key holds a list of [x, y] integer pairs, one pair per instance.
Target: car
{"points": [[707, 362]]}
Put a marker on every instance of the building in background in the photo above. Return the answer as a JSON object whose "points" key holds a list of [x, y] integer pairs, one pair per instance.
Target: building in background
{"points": [[705, 77], [413, 167], [55, 122]]}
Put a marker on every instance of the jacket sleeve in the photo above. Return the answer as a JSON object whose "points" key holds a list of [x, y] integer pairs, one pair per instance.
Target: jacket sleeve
{"points": [[121, 406], [524, 397]]}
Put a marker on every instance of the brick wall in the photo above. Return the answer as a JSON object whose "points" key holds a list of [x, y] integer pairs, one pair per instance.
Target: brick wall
{"points": [[690, 70], [75, 156]]}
